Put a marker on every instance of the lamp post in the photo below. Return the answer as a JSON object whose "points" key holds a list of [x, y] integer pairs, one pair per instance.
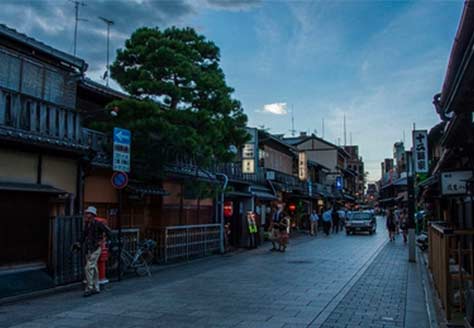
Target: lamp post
{"points": [[112, 112], [411, 206]]}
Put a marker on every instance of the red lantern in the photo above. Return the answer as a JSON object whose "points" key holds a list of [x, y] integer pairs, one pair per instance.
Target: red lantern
{"points": [[228, 209], [292, 207]]}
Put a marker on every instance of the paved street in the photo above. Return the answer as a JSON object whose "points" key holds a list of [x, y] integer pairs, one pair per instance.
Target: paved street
{"points": [[336, 281]]}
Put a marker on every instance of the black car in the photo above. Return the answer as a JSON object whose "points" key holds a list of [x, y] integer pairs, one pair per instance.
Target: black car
{"points": [[360, 222]]}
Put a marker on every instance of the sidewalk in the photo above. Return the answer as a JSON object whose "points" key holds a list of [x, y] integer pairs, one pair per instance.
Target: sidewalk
{"points": [[389, 294]]}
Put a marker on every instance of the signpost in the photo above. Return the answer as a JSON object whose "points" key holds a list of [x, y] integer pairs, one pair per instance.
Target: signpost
{"points": [[121, 166]]}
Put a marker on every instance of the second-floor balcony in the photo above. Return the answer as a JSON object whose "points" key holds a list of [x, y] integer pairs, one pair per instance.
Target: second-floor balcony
{"points": [[30, 120]]}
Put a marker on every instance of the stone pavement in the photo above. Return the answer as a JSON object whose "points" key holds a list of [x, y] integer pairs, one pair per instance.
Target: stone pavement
{"points": [[389, 294], [318, 282]]}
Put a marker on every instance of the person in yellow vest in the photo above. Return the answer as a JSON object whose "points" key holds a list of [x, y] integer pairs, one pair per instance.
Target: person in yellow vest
{"points": [[252, 228]]}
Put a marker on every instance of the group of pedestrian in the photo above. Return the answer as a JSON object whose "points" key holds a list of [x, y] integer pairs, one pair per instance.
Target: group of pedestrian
{"points": [[397, 220], [331, 220]]}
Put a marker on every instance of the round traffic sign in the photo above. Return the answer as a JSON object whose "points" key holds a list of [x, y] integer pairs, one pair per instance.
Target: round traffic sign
{"points": [[119, 180]]}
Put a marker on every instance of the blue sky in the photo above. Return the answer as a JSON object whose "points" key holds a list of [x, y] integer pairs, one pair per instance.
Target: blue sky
{"points": [[379, 63]]}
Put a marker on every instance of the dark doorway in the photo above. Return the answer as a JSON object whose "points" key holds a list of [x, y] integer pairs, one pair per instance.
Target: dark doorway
{"points": [[24, 227]]}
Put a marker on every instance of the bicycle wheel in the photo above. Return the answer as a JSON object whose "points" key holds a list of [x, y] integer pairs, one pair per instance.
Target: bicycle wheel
{"points": [[141, 267]]}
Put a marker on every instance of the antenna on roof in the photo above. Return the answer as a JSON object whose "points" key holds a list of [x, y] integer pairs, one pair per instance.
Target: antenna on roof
{"points": [[350, 137], [322, 125], [77, 19], [109, 23], [345, 132], [293, 131]]}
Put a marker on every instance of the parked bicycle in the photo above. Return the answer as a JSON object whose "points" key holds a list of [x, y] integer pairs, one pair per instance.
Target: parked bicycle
{"points": [[138, 263]]}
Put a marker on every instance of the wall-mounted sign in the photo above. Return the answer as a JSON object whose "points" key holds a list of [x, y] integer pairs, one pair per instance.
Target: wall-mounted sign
{"points": [[248, 166], [420, 151], [454, 183], [250, 153], [270, 175], [302, 166]]}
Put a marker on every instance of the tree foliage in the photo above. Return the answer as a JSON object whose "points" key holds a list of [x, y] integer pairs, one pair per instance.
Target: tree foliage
{"points": [[181, 106]]}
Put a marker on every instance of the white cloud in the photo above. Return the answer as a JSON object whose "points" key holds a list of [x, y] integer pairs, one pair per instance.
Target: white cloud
{"points": [[275, 108]]}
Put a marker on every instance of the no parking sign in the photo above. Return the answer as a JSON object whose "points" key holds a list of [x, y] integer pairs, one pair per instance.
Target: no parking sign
{"points": [[119, 180]]}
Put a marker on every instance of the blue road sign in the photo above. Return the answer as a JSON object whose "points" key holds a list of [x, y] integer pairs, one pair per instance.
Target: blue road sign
{"points": [[122, 136], [119, 180], [121, 158], [339, 183]]}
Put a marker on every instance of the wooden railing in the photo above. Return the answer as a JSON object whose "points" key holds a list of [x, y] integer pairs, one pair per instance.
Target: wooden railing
{"points": [[185, 242], [451, 261]]}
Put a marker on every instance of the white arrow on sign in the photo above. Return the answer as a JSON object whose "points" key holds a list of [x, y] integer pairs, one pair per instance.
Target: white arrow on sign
{"points": [[121, 136]]}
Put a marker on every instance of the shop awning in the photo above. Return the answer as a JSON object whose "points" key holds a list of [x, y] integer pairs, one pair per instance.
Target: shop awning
{"points": [[238, 194], [30, 187], [145, 189], [264, 195], [429, 182]]}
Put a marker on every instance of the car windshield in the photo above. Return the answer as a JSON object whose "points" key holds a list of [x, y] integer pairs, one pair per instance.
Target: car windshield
{"points": [[360, 216]]}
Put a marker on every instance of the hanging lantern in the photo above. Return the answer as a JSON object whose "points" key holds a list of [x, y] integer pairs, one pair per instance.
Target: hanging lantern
{"points": [[228, 209]]}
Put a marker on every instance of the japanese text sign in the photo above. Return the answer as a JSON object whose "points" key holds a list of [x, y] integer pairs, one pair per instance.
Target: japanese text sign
{"points": [[420, 151]]}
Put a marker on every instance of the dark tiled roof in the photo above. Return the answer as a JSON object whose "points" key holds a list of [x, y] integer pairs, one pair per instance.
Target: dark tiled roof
{"points": [[30, 187], [97, 87], [31, 138], [10, 33]]}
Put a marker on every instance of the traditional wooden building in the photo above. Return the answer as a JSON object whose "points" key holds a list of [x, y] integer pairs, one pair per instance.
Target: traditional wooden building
{"points": [[40, 145]]}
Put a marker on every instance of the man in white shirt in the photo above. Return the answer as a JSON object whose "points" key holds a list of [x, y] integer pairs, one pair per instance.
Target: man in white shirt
{"points": [[313, 219]]}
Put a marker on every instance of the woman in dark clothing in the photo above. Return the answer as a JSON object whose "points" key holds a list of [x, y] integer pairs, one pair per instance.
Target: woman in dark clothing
{"points": [[391, 225]]}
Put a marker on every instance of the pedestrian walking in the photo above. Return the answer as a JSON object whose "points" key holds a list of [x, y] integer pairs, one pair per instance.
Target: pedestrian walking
{"points": [[391, 225], [284, 227], [327, 221], [313, 220], [335, 220], [91, 240], [404, 225], [275, 227]]}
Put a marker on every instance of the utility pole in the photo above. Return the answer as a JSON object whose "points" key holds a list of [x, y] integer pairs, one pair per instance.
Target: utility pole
{"points": [[350, 138], [109, 23], [77, 19]]}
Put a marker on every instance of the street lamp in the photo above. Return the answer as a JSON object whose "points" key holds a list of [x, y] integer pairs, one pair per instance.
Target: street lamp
{"points": [[112, 112]]}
